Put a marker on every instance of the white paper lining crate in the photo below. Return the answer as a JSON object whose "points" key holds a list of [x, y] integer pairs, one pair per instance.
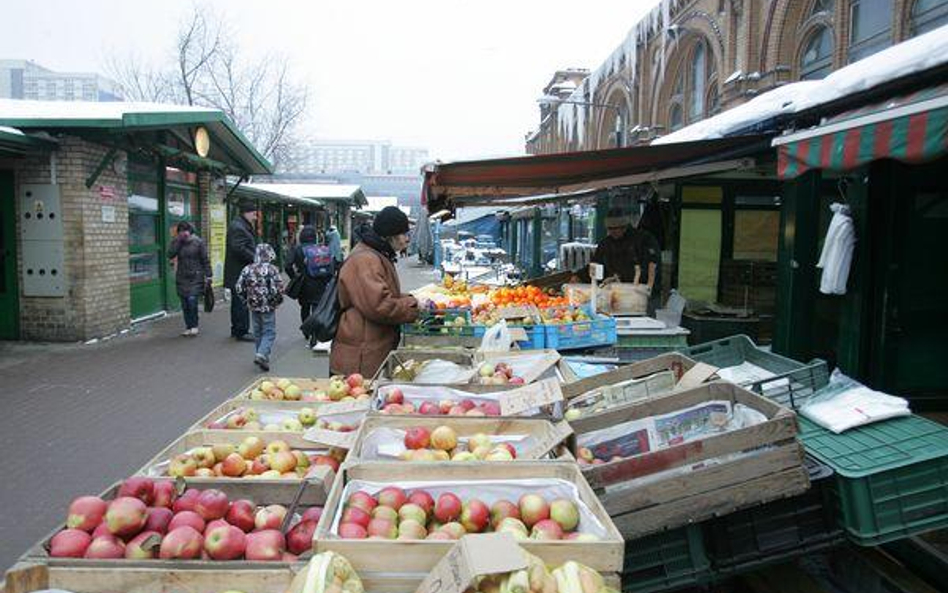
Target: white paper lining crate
{"points": [[260, 495], [264, 408], [467, 482], [533, 438], [546, 365], [730, 470], [282, 490]]}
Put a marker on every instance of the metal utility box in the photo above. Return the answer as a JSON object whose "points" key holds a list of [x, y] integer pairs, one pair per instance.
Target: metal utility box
{"points": [[41, 237]]}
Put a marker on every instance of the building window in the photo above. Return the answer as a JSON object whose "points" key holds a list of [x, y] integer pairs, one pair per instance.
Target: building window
{"points": [[928, 15], [699, 81], [870, 27], [816, 61], [675, 119], [823, 7]]}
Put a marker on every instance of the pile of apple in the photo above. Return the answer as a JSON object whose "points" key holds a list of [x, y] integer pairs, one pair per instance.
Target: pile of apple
{"points": [[396, 514], [252, 458], [343, 389], [441, 444], [394, 403], [500, 373], [586, 456], [147, 520], [249, 419], [283, 389]]}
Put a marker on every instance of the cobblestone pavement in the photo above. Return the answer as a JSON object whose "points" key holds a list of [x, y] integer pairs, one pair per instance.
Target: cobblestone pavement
{"points": [[76, 418]]}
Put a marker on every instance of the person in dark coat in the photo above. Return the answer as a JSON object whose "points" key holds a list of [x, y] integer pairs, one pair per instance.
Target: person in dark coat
{"points": [[313, 287], [241, 242], [192, 273]]}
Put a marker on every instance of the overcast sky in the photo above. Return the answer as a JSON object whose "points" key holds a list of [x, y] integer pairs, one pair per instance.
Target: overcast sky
{"points": [[460, 78]]}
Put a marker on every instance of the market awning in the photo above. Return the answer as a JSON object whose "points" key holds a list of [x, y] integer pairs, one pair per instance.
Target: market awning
{"points": [[244, 191], [912, 128], [448, 184], [15, 142], [321, 192]]}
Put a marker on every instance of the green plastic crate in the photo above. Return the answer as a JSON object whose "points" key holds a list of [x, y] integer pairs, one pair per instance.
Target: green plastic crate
{"points": [[891, 476], [793, 382], [670, 559]]}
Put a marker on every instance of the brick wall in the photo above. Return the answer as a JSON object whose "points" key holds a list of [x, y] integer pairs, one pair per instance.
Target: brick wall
{"points": [[95, 251]]}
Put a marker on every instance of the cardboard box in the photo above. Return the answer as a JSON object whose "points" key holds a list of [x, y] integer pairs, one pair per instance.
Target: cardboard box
{"points": [[534, 438], [730, 470], [281, 491], [604, 555]]}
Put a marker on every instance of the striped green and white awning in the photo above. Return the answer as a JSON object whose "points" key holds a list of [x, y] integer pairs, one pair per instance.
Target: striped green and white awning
{"points": [[912, 128]]}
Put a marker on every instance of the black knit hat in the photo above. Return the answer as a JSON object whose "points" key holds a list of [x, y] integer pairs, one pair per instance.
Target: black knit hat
{"points": [[246, 207], [390, 222]]}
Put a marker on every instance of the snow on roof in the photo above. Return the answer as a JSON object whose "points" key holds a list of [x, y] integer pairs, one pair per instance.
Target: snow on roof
{"points": [[12, 131], [907, 58], [79, 110], [314, 191], [376, 203]]}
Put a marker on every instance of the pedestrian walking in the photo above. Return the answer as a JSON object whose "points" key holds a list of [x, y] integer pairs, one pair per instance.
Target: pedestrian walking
{"points": [[335, 244], [370, 297], [312, 262], [261, 286], [192, 273], [241, 238]]}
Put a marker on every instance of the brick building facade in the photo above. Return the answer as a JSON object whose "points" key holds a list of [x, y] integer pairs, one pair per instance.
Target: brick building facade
{"points": [[690, 59]]}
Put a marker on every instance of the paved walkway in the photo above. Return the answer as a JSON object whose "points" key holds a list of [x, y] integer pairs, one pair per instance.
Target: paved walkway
{"points": [[76, 418]]}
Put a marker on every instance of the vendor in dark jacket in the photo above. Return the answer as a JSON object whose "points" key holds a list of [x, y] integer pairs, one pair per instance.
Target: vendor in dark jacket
{"points": [[313, 287], [241, 242], [192, 273]]}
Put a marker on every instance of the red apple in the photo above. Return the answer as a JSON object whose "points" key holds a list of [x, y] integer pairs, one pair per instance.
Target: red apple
{"points": [[233, 465], [312, 514], [502, 509], [510, 448], [565, 512], [300, 538], [546, 530], [143, 546], [429, 409], [393, 409], [268, 544], [138, 487], [125, 516], [86, 512], [212, 504], [382, 528], [411, 511], [102, 529], [417, 438], [270, 517], [422, 499], [215, 524], [392, 496], [185, 543], [157, 519], [384, 512], [352, 531], [69, 543], [448, 508], [325, 460], [394, 396], [533, 508], [283, 461], [475, 516], [186, 502], [189, 519], [467, 405], [105, 547], [356, 515], [257, 466], [164, 494], [225, 542], [363, 500], [242, 514], [355, 380]]}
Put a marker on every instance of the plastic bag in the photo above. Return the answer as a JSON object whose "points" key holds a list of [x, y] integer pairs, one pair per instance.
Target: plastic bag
{"points": [[845, 403], [443, 372], [496, 338]]}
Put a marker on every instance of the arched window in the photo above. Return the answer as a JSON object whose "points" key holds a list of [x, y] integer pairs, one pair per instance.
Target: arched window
{"points": [[870, 27], [816, 61], [698, 83], [928, 15]]}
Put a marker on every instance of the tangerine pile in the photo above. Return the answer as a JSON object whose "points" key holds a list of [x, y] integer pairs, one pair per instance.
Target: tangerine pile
{"points": [[527, 295]]}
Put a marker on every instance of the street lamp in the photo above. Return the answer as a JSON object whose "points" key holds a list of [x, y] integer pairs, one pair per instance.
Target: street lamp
{"points": [[551, 100]]}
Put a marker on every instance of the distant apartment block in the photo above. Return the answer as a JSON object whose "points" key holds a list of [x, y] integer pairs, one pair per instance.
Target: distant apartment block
{"points": [[331, 157], [23, 79]]}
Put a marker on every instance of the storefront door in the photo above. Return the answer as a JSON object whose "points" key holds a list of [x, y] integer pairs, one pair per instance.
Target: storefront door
{"points": [[9, 306], [182, 205]]}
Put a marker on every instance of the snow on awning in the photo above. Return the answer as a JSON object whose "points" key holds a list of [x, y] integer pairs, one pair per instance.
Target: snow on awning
{"points": [[576, 173], [911, 128], [323, 192]]}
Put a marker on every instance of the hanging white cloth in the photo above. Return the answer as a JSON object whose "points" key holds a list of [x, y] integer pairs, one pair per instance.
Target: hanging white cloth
{"points": [[837, 255]]}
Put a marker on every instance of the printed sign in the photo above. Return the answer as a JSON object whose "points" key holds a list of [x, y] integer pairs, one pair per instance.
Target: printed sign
{"points": [[696, 375], [539, 394], [343, 407], [108, 213], [217, 248], [545, 444]]}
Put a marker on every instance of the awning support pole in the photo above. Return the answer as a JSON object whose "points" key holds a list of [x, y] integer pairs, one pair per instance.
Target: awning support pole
{"points": [[105, 162]]}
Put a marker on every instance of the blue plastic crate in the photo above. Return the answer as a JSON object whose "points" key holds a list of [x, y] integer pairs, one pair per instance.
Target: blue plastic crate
{"points": [[600, 331]]}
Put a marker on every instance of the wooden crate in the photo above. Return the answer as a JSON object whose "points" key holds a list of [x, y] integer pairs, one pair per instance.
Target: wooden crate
{"points": [[771, 466], [232, 405], [283, 491], [546, 439], [304, 383], [420, 556], [466, 359]]}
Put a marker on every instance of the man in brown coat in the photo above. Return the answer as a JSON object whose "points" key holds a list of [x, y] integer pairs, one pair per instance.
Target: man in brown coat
{"points": [[370, 298]]}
